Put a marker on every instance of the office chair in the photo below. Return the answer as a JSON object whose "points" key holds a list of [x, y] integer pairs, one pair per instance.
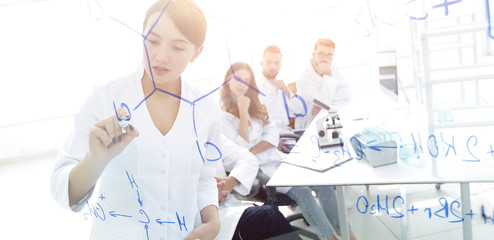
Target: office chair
{"points": [[268, 195]]}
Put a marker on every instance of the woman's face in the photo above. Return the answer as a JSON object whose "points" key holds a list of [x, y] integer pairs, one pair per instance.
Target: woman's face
{"points": [[168, 49], [237, 87]]}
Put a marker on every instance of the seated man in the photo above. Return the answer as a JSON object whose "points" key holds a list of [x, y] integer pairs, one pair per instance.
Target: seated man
{"points": [[321, 80], [279, 100], [241, 220]]}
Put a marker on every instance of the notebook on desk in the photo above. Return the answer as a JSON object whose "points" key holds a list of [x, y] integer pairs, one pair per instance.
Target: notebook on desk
{"points": [[321, 161], [319, 168]]}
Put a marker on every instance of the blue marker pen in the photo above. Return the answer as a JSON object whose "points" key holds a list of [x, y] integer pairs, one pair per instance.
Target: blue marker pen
{"points": [[122, 121]]}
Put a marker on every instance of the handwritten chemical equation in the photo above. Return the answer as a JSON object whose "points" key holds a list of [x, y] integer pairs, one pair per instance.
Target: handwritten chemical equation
{"points": [[433, 144], [412, 4], [398, 208], [97, 212], [430, 147]]}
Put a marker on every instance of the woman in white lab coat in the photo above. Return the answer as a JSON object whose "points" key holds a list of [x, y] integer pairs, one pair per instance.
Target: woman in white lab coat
{"points": [[156, 177], [246, 122]]}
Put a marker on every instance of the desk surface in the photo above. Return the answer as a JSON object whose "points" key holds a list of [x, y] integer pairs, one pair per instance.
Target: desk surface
{"points": [[359, 172]]}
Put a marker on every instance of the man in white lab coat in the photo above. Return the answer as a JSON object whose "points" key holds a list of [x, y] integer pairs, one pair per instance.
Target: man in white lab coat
{"points": [[241, 220], [279, 100], [322, 80]]}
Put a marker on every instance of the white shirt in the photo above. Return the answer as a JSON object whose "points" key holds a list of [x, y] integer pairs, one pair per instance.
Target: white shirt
{"points": [[330, 90], [275, 104], [270, 159], [243, 166], [156, 178]]}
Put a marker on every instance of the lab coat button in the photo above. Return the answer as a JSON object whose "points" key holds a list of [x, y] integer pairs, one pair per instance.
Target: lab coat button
{"points": [[163, 208], [163, 172]]}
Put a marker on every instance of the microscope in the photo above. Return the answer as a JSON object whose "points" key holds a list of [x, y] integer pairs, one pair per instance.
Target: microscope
{"points": [[328, 129]]}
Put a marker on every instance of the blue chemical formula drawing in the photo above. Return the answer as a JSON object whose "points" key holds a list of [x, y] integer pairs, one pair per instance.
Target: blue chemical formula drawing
{"points": [[397, 207], [440, 146], [142, 215], [146, 218], [407, 5], [98, 213]]}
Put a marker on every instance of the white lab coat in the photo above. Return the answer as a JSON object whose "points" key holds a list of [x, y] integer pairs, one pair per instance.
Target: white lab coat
{"points": [[270, 159], [275, 104], [243, 166], [330, 90], [156, 178]]}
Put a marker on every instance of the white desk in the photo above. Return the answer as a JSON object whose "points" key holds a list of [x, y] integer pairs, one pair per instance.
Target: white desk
{"points": [[360, 172]]}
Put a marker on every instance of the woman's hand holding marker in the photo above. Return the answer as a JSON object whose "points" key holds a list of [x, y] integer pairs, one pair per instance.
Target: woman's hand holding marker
{"points": [[106, 138]]}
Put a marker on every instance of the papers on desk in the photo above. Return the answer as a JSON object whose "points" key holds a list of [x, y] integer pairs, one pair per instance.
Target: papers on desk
{"points": [[319, 161], [285, 133]]}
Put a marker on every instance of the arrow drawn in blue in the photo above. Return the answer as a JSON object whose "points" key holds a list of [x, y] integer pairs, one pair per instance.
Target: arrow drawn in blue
{"points": [[370, 142], [147, 234], [113, 214], [158, 220], [378, 148], [139, 198]]}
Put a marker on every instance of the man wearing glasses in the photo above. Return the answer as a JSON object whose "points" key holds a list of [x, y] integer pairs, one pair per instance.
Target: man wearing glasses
{"points": [[321, 80]]}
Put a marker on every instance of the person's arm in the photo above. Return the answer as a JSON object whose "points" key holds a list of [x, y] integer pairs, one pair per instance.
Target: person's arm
{"points": [[343, 90], [229, 129], [284, 145], [323, 69], [280, 84], [106, 141], [260, 147], [243, 103], [270, 138], [308, 88], [230, 182], [225, 187], [207, 191], [241, 164], [83, 177], [335, 87], [69, 156], [210, 226], [78, 166]]}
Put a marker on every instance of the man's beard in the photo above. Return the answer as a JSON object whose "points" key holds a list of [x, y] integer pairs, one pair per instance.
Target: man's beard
{"points": [[270, 74]]}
